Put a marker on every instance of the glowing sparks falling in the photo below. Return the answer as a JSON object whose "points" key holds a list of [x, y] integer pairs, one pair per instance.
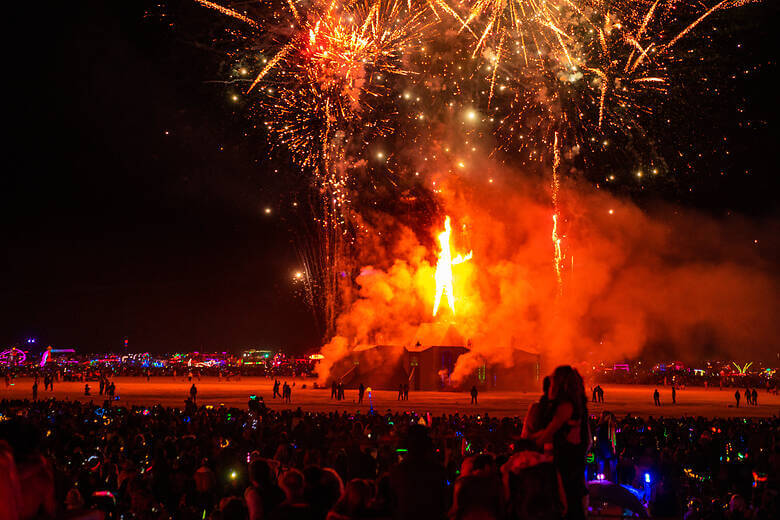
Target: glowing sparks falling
{"points": [[444, 265]]}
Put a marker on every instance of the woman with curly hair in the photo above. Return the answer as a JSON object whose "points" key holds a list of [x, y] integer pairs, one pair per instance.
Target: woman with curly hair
{"points": [[568, 431]]}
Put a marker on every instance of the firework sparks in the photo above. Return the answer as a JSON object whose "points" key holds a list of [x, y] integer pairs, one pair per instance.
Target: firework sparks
{"points": [[332, 70], [228, 12], [552, 79], [581, 69]]}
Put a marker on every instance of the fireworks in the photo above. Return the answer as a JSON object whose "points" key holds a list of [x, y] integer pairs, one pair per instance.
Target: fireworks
{"points": [[320, 91], [584, 69], [588, 71], [553, 80]]}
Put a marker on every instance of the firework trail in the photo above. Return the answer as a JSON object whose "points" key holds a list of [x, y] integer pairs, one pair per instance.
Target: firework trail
{"points": [[556, 239], [229, 12]]}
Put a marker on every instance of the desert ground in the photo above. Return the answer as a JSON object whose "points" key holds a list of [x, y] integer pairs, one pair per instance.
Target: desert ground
{"points": [[620, 399]]}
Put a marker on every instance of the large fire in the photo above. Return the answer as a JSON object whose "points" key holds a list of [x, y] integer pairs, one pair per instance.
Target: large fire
{"points": [[641, 285], [444, 268]]}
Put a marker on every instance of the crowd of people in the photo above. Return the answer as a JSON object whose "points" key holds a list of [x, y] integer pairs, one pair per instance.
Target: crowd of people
{"points": [[62, 459]]}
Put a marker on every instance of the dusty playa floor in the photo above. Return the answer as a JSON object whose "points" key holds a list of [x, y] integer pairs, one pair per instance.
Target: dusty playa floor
{"points": [[620, 399]]}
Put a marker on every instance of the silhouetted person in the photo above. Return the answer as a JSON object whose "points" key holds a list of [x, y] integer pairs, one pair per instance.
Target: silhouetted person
{"points": [[748, 398], [601, 393], [294, 506], [341, 391], [419, 482], [263, 494], [656, 398], [595, 394], [361, 392], [86, 389], [333, 390], [400, 391], [737, 396], [474, 394], [35, 390], [755, 397], [193, 393], [406, 391], [568, 431], [102, 385], [276, 388], [674, 395]]}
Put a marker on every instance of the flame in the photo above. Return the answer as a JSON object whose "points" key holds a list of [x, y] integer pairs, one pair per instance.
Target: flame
{"points": [[444, 265]]}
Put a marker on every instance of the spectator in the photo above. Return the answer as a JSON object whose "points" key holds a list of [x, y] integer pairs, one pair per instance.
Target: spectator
{"points": [[323, 489], [32, 483], [353, 504], [477, 497], [294, 506], [419, 482], [569, 432], [233, 508], [263, 494], [205, 486]]}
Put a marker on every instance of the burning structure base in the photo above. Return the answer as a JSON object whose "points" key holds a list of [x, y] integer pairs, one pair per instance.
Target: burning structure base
{"points": [[428, 363]]}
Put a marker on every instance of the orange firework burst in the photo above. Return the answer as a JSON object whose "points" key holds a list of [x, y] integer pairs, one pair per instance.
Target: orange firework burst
{"points": [[324, 82]]}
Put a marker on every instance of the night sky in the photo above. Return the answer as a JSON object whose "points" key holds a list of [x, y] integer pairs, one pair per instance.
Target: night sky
{"points": [[134, 204]]}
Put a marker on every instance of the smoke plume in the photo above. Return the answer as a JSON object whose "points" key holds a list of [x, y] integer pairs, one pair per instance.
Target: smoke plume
{"points": [[663, 283]]}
